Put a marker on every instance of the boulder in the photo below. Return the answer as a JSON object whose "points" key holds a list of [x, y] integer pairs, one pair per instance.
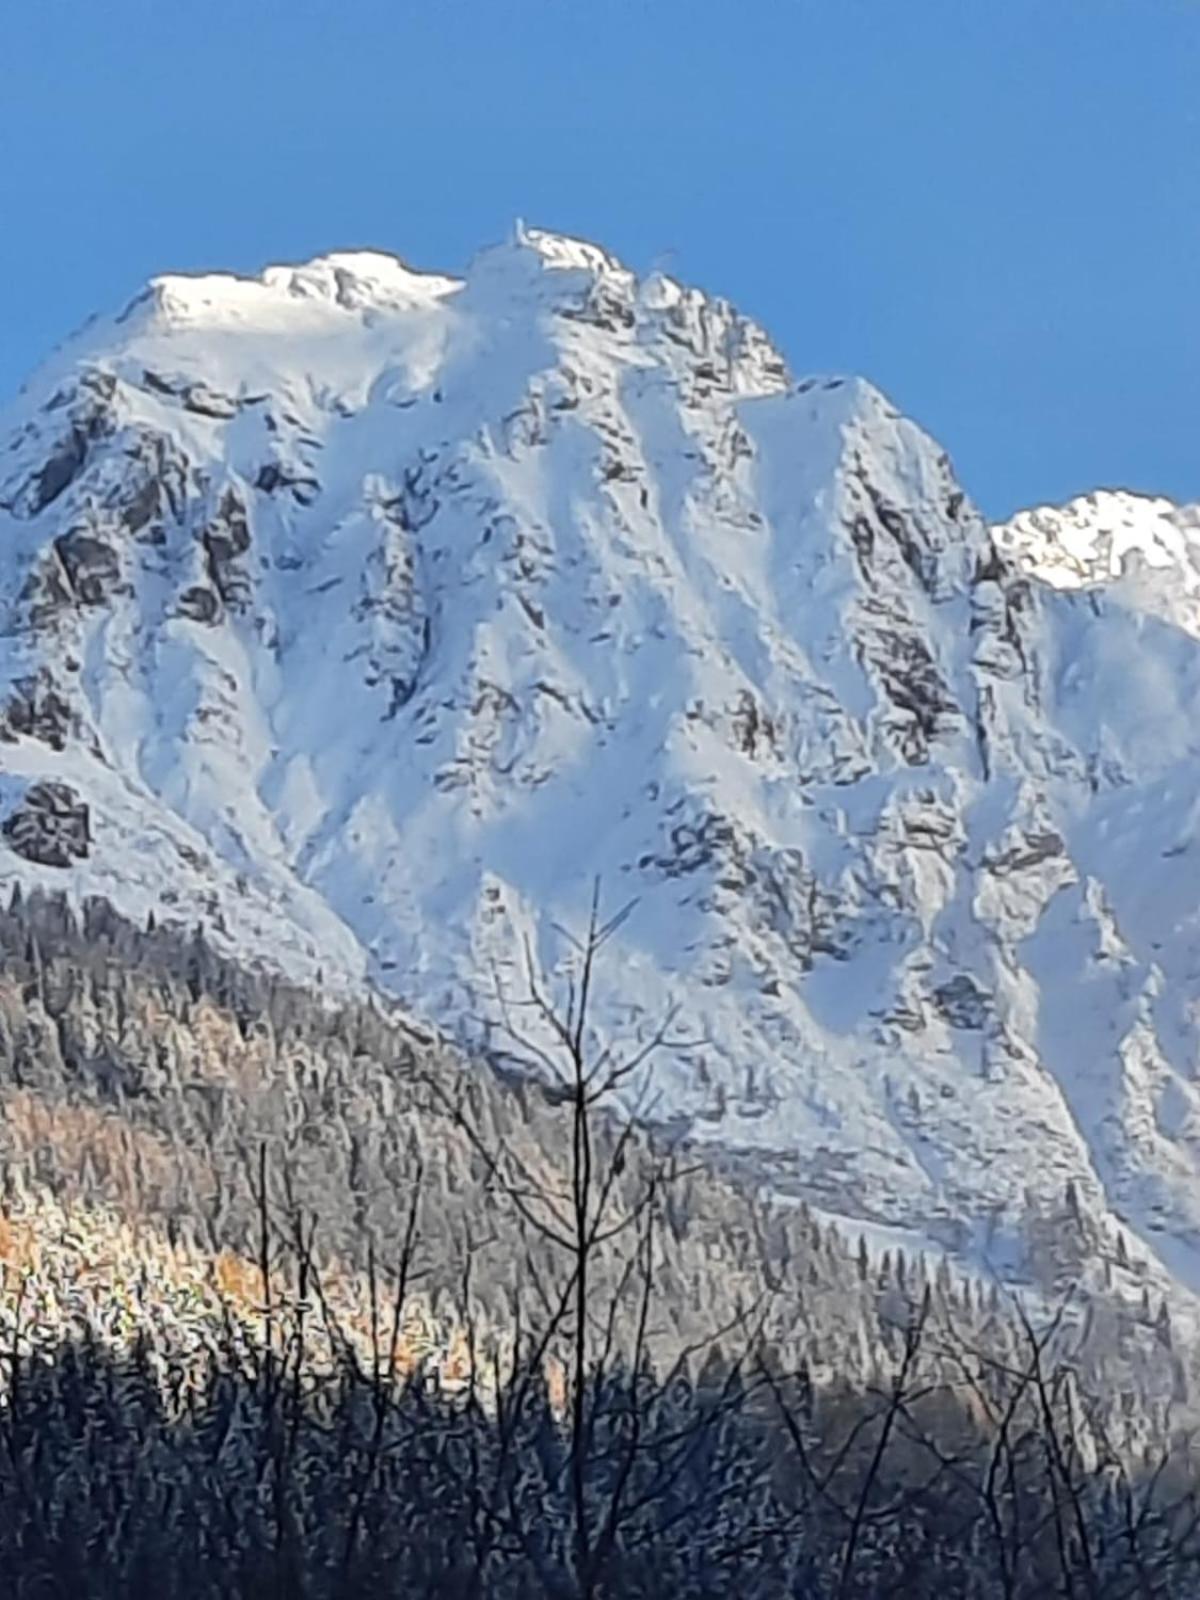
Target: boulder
{"points": [[50, 825]]}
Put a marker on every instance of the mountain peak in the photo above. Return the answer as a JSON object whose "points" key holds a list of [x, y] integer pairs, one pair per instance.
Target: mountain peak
{"points": [[1142, 550], [563, 253], [364, 616], [1090, 539]]}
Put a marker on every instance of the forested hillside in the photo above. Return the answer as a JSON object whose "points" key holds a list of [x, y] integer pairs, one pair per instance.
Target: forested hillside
{"points": [[296, 1300]]}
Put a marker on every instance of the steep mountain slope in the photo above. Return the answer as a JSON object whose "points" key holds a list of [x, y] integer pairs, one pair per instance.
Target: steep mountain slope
{"points": [[365, 616]]}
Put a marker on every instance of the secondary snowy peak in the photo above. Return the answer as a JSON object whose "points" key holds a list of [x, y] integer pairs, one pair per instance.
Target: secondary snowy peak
{"points": [[1099, 536], [364, 616], [1144, 547]]}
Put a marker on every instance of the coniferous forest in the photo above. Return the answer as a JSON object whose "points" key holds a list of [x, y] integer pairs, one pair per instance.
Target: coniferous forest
{"points": [[297, 1301]]}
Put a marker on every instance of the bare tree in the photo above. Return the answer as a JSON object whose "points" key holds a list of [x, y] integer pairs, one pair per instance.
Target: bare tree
{"points": [[591, 1266]]}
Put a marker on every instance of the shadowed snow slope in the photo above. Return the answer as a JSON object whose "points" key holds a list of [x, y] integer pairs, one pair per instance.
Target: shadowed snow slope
{"points": [[364, 616]]}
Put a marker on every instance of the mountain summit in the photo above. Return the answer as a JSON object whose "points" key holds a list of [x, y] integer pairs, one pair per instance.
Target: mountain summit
{"points": [[365, 616]]}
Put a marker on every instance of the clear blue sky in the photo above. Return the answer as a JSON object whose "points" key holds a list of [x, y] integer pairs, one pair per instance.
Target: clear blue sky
{"points": [[989, 207]]}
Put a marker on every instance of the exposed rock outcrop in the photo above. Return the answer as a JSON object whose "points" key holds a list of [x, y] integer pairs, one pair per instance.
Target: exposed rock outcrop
{"points": [[50, 826]]}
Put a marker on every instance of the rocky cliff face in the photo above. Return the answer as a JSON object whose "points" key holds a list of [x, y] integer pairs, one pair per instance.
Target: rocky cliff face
{"points": [[365, 617]]}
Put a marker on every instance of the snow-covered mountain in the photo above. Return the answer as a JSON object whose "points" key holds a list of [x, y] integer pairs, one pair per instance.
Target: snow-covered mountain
{"points": [[364, 616]]}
